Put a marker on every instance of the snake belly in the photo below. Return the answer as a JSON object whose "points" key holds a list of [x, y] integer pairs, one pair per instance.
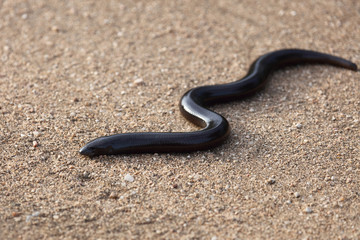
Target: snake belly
{"points": [[193, 106]]}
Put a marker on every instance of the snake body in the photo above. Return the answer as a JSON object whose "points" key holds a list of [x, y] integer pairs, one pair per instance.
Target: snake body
{"points": [[193, 106]]}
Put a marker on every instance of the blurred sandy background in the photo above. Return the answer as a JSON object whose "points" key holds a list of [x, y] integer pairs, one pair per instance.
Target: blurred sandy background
{"points": [[71, 71]]}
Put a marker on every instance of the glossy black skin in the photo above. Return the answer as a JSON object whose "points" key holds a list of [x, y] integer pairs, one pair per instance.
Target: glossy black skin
{"points": [[193, 106]]}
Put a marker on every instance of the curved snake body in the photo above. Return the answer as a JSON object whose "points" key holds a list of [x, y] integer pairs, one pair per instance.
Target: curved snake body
{"points": [[193, 106]]}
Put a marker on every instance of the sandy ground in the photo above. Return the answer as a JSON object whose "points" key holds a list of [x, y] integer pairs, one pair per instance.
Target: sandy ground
{"points": [[71, 71]]}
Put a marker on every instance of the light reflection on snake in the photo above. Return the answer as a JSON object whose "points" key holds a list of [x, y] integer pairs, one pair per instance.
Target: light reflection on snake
{"points": [[193, 106]]}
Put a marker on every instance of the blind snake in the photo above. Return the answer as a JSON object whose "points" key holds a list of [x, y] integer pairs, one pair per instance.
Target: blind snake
{"points": [[193, 106]]}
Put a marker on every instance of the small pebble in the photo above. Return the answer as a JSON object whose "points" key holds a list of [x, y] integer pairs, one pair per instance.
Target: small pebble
{"points": [[86, 175], [36, 214], [297, 195], [113, 195], [15, 214], [36, 134], [308, 210], [35, 144], [28, 218], [139, 81], [129, 178], [299, 126], [55, 29], [271, 181], [292, 13]]}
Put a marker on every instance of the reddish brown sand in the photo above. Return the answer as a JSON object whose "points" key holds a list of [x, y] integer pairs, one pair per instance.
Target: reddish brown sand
{"points": [[71, 71]]}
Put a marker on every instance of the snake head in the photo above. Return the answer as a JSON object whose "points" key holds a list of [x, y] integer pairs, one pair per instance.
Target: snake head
{"points": [[99, 146], [88, 151]]}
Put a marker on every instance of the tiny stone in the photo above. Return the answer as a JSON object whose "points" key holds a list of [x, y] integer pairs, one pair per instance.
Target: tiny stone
{"points": [[113, 196], [139, 81], [86, 175], [129, 178], [308, 210], [299, 125], [271, 181], [55, 29], [252, 110], [297, 195], [36, 214], [15, 214], [35, 144], [36, 134], [293, 13]]}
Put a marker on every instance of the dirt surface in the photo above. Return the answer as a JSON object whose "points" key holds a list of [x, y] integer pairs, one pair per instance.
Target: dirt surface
{"points": [[71, 71]]}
